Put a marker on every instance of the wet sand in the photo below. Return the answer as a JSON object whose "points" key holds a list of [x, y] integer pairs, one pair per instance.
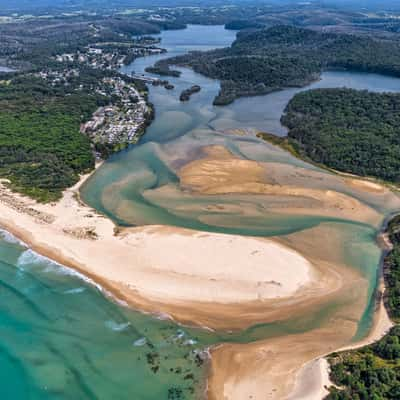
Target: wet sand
{"points": [[216, 280], [221, 173]]}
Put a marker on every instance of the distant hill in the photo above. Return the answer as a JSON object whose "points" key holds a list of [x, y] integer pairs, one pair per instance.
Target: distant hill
{"points": [[22, 5], [39, 5], [376, 5], [265, 60]]}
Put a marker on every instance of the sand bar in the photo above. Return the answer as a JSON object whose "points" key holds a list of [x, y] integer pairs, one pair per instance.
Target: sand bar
{"points": [[288, 189], [217, 280]]}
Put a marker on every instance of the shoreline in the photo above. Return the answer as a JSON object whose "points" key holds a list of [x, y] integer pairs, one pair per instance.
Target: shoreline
{"points": [[229, 316], [318, 370], [380, 327], [282, 143], [62, 235]]}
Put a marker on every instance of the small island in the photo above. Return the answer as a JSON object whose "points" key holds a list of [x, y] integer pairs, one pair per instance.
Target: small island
{"points": [[261, 61], [163, 70], [187, 93]]}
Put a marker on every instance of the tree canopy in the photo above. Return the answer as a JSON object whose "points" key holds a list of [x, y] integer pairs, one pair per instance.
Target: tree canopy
{"points": [[348, 130]]}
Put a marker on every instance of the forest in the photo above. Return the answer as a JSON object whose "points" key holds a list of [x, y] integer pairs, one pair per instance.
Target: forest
{"points": [[391, 271], [347, 130], [373, 372], [370, 373], [270, 59], [42, 151]]}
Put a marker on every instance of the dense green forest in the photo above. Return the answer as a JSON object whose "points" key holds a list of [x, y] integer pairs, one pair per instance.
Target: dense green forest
{"points": [[348, 130], [392, 271], [42, 151], [249, 75], [282, 56], [370, 373], [373, 372]]}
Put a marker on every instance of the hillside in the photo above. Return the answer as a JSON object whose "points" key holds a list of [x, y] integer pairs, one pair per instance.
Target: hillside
{"points": [[285, 56], [348, 130]]}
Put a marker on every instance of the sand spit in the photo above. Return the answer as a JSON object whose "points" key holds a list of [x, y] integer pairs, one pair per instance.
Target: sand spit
{"points": [[282, 367], [268, 369], [313, 379], [216, 280]]}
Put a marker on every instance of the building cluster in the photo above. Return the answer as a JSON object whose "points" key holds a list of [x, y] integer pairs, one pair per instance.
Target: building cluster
{"points": [[95, 58], [58, 77], [124, 120], [111, 58]]}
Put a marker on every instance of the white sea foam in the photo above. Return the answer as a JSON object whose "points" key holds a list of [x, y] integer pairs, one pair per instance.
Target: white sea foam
{"points": [[161, 316], [122, 303], [180, 334], [115, 326], [30, 257], [140, 342], [10, 238], [75, 290]]}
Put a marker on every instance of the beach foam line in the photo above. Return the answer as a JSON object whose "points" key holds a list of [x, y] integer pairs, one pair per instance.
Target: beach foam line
{"points": [[30, 257], [10, 238]]}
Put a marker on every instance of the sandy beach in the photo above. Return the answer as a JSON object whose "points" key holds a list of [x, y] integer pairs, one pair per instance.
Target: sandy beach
{"points": [[312, 380], [215, 280], [282, 367], [292, 367]]}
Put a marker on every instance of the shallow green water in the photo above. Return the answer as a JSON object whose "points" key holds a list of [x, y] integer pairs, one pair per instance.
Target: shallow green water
{"points": [[62, 338], [124, 187]]}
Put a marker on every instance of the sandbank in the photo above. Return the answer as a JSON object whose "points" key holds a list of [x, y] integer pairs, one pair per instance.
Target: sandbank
{"points": [[219, 172], [281, 367], [215, 280]]}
